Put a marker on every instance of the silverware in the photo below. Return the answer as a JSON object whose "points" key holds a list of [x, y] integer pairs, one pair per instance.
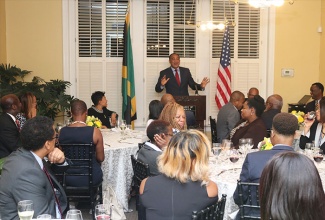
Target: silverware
{"points": [[107, 145]]}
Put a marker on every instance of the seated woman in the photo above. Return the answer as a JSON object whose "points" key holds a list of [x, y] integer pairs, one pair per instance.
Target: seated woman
{"points": [[28, 108], [100, 111], [251, 126], [174, 114], [315, 133], [184, 185], [155, 108], [79, 133], [288, 193]]}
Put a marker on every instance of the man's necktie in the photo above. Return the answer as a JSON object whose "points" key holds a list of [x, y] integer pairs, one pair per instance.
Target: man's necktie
{"points": [[50, 180], [18, 124], [177, 78], [316, 105]]}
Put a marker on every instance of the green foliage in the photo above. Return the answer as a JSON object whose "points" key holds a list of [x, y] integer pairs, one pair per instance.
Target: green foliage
{"points": [[51, 98]]}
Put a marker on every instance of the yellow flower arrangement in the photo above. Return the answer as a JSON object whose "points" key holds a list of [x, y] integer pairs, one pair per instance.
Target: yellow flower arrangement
{"points": [[300, 116], [266, 144], [93, 122]]}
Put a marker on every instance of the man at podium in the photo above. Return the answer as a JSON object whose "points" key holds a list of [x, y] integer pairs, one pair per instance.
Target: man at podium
{"points": [[176, 79]]}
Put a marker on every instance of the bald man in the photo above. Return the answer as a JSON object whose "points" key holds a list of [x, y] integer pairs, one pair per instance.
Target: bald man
{"points": [[9, 130], [252, 92], [228, 115], [273, 107]]}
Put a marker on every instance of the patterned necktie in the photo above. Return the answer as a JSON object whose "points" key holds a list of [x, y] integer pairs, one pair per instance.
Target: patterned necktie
{"points": [[177, 78], [18, 124], [316, 105], [50, 180]]}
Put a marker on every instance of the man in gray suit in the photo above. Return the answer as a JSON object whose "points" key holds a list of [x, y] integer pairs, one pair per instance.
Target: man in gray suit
{"points": [[27, 176], [151, 150], [228, 115]]}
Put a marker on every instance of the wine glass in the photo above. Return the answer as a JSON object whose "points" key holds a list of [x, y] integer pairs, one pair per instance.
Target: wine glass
{"points": [[249, 143], [234, 157], [101, 213], [309, 147], [242, 146], [25, 209], [74, 214], [216, 149], [318, 158]]}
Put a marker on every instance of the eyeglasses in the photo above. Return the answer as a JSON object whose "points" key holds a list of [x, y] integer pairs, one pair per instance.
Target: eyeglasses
{"points": [[56, 137]]}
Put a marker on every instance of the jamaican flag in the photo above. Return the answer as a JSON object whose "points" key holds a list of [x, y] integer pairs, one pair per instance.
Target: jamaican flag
{"points": [[128, 87]]}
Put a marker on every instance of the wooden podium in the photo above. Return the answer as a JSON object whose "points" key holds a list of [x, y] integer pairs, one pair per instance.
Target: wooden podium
{"points": [[196, 104]]}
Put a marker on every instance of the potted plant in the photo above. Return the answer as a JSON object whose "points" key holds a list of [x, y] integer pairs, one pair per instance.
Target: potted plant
{"points": [[51, 96]]}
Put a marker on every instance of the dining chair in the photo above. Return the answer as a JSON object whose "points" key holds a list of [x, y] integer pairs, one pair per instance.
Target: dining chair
{"points": [[140, 145], [213, 212], [213, 126], [81, 157], [141, 171], [250, 208]]}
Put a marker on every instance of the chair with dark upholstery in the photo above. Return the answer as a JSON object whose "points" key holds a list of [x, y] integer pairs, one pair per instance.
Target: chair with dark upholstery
{"points": [[213, 126], [251, 208], [141, 171], [81, 156], [140, 145], [213, 212]]}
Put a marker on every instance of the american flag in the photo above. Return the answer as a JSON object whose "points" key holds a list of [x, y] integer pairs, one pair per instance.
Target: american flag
{"points": [[224, 75]]}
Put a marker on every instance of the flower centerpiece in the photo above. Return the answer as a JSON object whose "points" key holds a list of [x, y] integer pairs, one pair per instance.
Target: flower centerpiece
{"points": [[266, 144], [93, 122], [300, 116]]}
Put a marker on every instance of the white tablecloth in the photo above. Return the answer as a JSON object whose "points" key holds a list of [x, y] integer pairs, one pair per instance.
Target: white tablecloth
{"points": [[117, 167], [226, 179]]}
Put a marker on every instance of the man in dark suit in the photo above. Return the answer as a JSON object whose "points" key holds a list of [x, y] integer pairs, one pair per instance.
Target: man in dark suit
{"points": [[273, 106], [23, 175], [176, 79], [316, 92], [9, 130], [284, 128], [151, 150]]}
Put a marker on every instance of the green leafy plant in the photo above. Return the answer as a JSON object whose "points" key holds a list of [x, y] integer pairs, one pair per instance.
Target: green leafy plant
{"points": [[52, 100]]}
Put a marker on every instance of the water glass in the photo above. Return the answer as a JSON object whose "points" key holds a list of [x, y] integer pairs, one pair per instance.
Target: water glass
{"points": [[101, 213], [249, 143], [74, 214], [226, 144], [216, 149], [25, 209], [44, 216]]}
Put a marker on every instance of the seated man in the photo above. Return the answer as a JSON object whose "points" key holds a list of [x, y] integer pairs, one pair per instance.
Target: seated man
{"points": [[26, 175], [151, 150], [273, 106], [284, 127], [100, 111], [9, 128], [229, 116]]}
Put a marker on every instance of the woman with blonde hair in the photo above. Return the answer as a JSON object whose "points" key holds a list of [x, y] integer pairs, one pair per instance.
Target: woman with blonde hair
{"points": [[184, 185], [174, 114]]}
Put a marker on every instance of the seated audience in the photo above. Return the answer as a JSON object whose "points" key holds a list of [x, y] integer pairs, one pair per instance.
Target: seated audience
{"points": [[27, 175], [28, 108], [251, 125], [284, 128], [288, 193], [151, 150], [252, 92], [9, 125], [155, 108], [184, 185], [316, 92], [273, 106], [100, 111], [316, 133], [79, 133], [190, 117], [174, 114], [229, 116]]}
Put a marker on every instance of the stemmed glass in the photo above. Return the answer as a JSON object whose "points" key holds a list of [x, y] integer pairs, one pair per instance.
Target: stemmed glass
{"points": [[242, 146], [234, 157], [216, 149], [25, 209], [74, 214], [249, 143], [309, 147], [101, 213], [318, 158]]}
